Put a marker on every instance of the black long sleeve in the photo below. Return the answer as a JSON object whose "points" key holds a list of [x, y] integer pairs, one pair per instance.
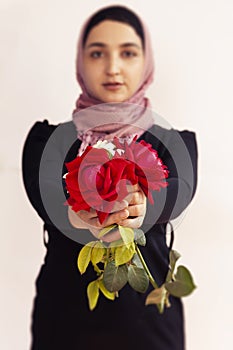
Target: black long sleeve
{"points": [[44, 155], [178, 151]]}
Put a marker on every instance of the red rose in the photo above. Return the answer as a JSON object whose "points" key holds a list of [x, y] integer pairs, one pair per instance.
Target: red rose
{"points": [[81, 179], [149, 168], [111, 183], [94, 181]]}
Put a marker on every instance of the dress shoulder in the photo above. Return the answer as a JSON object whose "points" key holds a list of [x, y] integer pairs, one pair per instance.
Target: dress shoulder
{"points": [[176, 141], [178, 151], [163, 133], [40, 130], [34, 145]]}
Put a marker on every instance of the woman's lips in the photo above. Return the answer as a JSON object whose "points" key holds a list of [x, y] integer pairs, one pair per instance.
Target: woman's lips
{"points": [[112, 86]]}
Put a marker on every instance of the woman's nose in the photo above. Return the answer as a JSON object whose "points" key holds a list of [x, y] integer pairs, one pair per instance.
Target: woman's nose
{"points": [[113, 66]]}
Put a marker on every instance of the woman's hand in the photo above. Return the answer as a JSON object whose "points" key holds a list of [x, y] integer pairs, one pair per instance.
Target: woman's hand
{"points": [[129, 213], [136, 206], [89, 220]]}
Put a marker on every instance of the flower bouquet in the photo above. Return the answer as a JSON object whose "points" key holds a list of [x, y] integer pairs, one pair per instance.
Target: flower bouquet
{"points": [[97, 179]]}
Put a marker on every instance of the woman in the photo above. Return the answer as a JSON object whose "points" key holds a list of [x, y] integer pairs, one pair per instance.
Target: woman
{"points": [[114, 68]]}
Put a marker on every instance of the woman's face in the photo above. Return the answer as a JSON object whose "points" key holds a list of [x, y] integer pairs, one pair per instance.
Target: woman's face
{"points": [[113, 61]]}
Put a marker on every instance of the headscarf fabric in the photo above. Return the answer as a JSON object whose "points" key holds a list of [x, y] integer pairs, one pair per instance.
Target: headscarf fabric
{"points": [[95, 120]]}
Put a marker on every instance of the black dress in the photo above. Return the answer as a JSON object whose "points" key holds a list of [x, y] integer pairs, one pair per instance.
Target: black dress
{"points": [[61, 319]]}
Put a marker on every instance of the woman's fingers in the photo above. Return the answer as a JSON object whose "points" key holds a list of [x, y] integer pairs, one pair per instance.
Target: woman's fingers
{"points": [[135, 198], [137, 210], [110, 220], [118, 206], [86, 215], [133, 188], [79, 219], [129, 213], [134, 222]]}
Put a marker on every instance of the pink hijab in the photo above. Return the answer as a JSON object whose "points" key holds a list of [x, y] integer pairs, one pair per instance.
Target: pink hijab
{"points": [[95, 120]]}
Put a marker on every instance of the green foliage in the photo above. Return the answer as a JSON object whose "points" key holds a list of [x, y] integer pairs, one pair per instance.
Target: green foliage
{"points": [[115, 244], [115, 277], [178, 284], [106, 293], [173, 257], [106, 230], [139, 237], [124, 254], [136, 261], [97, 253], [182, 285], [93, 294], [137, 278], [122, 262], [127, 234], [158, 297], [85, 257]]}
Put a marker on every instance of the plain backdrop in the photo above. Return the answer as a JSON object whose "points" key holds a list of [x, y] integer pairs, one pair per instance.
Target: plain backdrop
{"points": [[192, 90]]}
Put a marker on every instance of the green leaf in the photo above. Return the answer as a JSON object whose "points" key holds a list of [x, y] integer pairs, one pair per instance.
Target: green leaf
{"points": [[113, 245], [138, 278], [106, 292], [93, 293], [106, 230], [115, 277], [127, 234], [124, 254], [157, 297], [84, 257], [97, 253], [136, 261], [183, 284], [117, 243], [174, 256], [139, 237]]}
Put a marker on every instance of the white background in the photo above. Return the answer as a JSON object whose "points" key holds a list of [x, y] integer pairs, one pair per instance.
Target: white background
{"points": [[193, 50]]}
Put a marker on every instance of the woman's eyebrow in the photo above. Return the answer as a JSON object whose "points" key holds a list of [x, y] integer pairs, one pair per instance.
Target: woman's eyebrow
{"points": [[96, 44], [130, 44], [99, 44]]}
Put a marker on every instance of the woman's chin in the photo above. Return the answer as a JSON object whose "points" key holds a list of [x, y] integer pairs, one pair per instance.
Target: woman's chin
{"points": [[112, 96], [114, 99]]}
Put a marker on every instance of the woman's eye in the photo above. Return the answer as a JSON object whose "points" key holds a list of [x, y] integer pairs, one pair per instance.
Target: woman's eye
{"points": [[129, 54], [96, 54]]}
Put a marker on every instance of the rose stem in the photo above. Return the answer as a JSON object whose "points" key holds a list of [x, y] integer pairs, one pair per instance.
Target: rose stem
{"points": [[152, 281], [107, 257]]}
